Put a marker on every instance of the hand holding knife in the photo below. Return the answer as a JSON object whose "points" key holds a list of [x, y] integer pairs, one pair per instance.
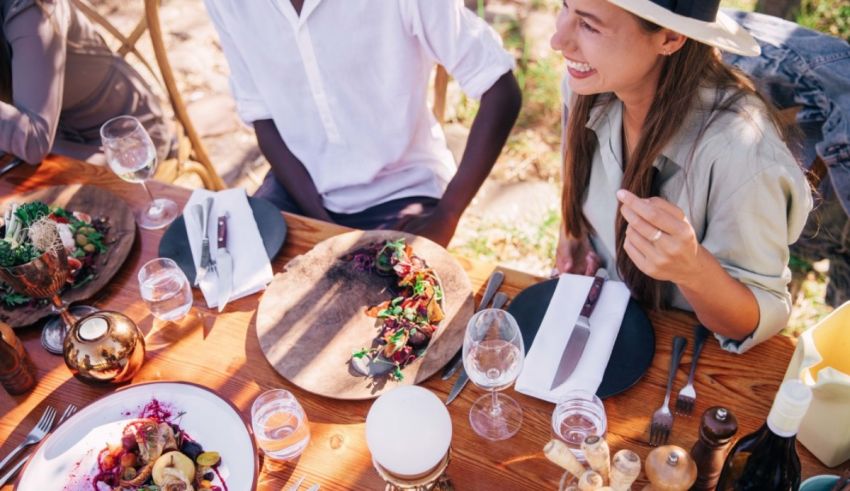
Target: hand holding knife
{"points": [[581, 332]]}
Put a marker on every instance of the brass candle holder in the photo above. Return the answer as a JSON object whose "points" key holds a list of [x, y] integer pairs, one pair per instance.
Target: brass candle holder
{"points": [[435, 480], [104, 347]]}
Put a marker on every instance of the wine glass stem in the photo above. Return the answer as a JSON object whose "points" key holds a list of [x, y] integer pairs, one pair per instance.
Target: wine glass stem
{"points": [[154, 209], [496, 410], [63, 312]]}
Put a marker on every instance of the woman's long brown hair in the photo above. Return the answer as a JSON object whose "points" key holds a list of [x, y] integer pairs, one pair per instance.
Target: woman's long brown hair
{"points": [[693, 66]]}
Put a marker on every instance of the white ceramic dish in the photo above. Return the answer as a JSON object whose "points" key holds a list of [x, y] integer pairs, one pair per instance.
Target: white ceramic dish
{"points": [[67, 459]]}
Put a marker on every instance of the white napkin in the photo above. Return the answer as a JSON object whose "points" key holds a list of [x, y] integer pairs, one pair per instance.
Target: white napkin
{"points": [[543, 358], [252, 270]]}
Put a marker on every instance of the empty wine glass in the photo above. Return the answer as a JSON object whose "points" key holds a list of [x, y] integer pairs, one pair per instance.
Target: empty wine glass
{"points": [[165, 289], [131, 154], [493, 355]]}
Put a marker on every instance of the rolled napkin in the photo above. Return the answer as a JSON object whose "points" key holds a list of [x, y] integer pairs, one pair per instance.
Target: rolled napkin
{"points": [[252, 270], [543, 358]]}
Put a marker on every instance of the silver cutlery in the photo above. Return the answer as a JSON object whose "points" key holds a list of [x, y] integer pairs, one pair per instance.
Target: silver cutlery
{"points": [[295, 486], [35, 435], [493, 284], [662, 419], [224, 264], [11, 165], [314, 487], [688, 395], [499, 301], [69, 411], [581, 332], [203, 213]]}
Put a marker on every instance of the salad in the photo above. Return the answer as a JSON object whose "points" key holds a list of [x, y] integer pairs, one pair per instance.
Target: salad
{"points": [[29, 229], [156, 454], [411, 318]]}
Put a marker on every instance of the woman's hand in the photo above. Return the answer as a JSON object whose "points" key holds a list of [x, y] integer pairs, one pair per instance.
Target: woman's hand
{"points": [[660, 240], [575, 256]]}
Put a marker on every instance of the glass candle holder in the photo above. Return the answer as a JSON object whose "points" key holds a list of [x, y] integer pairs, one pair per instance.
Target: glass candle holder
{"points": [[578, 415], [418, 459]]}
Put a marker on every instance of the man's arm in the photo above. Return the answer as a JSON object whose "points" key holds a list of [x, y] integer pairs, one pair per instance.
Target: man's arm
{"points": [[289, 171], [497, 113]]}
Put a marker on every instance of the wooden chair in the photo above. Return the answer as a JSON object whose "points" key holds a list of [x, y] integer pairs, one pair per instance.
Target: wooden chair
{"points": [[192, 157]]}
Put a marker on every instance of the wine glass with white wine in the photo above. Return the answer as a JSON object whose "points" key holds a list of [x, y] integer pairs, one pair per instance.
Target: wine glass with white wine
{"points": [[131, 154]]}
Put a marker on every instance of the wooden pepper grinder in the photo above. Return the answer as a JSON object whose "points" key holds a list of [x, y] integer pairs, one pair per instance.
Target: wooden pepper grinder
{"points": [[716, 430], [17, 372], [670, 468]]}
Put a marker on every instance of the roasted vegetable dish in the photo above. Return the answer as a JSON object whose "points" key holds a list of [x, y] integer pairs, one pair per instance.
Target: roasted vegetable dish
{"points": [[27, 230], [411, 318]]}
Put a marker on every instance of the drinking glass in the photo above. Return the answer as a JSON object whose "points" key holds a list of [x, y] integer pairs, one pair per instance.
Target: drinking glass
{"points": [[280, 425], [165, 289], [493, 355], [577, 415], [131, 155]]}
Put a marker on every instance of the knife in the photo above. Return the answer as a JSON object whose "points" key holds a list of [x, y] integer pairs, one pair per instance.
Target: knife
{"points": [[204, 219], [581, 331], [499, 301], [493, 284], [223, 264]]}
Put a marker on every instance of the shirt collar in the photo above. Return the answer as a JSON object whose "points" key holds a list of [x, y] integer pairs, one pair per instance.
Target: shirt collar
{"points": [[296, 20]]}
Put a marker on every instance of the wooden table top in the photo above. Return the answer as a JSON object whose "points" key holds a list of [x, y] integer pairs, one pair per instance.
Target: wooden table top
{"points": [[337, 456]]}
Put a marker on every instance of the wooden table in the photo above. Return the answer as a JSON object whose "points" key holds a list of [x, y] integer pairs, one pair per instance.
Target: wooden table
{"points": [[337, 458]]}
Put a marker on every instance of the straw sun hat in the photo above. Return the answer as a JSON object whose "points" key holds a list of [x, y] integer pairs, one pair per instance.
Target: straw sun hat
{"points": [[700, 20]]}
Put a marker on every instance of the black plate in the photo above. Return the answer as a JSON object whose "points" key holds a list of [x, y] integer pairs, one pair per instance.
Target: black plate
{"points": [[633, 350], [270, 222]]}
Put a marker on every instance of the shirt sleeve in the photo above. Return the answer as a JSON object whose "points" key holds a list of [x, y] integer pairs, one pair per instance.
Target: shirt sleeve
{"points": [[249, 103], [751, 222], [28, 125], [459, 40]]}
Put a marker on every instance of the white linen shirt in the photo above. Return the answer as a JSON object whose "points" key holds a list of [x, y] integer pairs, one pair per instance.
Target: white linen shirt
{"points": [[739, 186], [346, 84]]}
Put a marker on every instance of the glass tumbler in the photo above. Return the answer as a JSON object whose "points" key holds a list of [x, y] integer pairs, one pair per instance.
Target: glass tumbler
{"points": [[578, 415], [165, 289], [280, 425]]}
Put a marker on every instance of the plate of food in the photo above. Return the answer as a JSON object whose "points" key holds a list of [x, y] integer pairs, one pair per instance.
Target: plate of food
{"points": [[363, 312], [97, 230], [151, 436]]}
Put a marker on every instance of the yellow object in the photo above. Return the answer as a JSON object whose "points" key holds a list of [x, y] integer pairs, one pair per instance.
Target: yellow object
{"points": [[170, 464], [822, 361], [558, 452]]}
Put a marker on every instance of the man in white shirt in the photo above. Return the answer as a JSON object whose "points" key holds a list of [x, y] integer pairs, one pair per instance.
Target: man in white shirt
{"points": [[336, 91]]}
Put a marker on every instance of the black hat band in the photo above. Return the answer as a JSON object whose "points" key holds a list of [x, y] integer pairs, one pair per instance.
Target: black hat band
{"points": [[704, 10]]}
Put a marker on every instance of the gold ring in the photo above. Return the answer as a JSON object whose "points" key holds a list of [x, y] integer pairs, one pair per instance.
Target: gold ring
{"points": [[657, 235]]}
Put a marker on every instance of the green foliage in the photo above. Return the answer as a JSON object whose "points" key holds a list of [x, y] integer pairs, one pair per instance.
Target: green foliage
{"points": [[28, 213], [14, 256], [829, 16]]}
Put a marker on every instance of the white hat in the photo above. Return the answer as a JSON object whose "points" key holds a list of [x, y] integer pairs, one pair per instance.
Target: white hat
{"points": [[700, 20]]}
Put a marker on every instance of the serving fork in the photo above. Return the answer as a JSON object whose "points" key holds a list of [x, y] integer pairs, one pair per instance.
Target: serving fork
{"points": [[69, 411], [35, 435], [297, 486], [688, 395], [662, 419]]}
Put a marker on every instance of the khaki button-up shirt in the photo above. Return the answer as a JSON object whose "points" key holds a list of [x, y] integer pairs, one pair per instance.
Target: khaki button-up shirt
{"points": [[739, 186]]}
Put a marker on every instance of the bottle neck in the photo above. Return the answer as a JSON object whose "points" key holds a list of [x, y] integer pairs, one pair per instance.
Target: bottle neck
{"points": [[781, 424]]}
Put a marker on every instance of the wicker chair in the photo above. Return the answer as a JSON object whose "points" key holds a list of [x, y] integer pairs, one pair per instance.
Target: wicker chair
{"points": [[191, 157]]}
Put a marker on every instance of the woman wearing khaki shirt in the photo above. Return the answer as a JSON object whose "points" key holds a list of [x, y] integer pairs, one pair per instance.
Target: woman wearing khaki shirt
{"points": [[677, 178], [59, 83]]}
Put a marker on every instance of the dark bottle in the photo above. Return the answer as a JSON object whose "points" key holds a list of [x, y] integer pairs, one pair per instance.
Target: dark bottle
{"points": [[716, 430], [767, 459], [17, 373]]}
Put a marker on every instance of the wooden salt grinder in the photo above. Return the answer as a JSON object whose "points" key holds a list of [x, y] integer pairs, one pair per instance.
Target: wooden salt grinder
{"points": [[716, 430]]}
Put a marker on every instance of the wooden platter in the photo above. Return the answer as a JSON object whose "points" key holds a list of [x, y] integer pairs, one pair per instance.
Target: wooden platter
{"points": [[312, 316], [96, 202]]}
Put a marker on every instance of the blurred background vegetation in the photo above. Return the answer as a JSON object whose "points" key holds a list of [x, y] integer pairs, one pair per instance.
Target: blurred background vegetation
{"points": [[514, 220]]}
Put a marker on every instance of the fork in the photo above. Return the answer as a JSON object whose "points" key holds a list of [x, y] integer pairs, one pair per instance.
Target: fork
{"points": [[295, 486], [662, 419], [69, 411], [35, 435], [688, 395]]}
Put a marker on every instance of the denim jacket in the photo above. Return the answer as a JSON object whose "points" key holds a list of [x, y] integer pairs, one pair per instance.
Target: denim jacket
{"points": [[802, 67]]}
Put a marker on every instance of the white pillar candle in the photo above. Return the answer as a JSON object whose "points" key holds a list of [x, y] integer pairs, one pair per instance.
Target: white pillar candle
{"points": [[408, 431]]}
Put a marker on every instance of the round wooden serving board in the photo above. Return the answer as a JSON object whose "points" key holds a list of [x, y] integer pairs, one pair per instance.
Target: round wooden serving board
{"points": [[312, 316], [96, 202]]}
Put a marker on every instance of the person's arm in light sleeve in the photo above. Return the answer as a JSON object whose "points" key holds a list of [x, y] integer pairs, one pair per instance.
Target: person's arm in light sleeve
{"points": [[28, 125], [472, 53]]}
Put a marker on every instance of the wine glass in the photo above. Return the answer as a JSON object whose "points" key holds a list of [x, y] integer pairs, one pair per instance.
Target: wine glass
{"points": [[44, 277], [493, 355], [165, 289], [131, 154]]}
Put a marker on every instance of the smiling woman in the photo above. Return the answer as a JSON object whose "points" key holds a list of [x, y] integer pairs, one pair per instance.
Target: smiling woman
{"points": [[666, 150]]}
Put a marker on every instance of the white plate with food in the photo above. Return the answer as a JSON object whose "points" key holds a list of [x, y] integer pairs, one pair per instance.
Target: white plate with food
{"points": [[159, 433]]}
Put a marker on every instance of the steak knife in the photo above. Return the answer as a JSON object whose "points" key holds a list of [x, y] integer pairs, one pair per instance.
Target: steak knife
{"points": [[224, 264], [581, 332]]}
